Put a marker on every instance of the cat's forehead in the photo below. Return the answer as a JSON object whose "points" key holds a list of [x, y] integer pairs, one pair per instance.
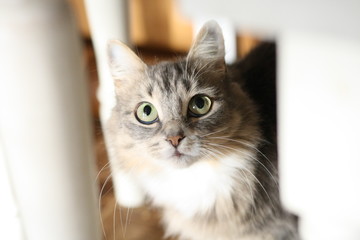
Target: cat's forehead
{"points": [[168, 79], [170, 86]]}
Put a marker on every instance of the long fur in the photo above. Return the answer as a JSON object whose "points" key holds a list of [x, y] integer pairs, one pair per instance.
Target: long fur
{"points": [[224, 185]]}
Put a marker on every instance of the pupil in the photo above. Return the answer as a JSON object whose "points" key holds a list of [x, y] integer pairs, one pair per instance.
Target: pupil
{"points": [[147, 110], [199, 102]]}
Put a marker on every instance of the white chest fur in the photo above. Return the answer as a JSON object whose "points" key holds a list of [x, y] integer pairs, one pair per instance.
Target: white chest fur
{"points": [[194, 189]]}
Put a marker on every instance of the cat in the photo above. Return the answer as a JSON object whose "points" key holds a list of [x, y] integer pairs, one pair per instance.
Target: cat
{"points": [[200, 139]]}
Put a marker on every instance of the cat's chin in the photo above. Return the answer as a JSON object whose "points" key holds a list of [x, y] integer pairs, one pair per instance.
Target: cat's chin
{"points": [[180, 159]]}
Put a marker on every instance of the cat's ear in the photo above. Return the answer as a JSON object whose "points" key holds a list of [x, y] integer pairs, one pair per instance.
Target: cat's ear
{"points": [[125, 65], [209, 45]]}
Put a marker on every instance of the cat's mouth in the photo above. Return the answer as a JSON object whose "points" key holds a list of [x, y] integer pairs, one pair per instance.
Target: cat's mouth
{"points": [[182, 154], [178, 154], [182, 158]]}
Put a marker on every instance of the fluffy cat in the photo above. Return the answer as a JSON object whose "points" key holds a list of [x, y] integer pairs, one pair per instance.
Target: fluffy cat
{"points": [[200, 139]]}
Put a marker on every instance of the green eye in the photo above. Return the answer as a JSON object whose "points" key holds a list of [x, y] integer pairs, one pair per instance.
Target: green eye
{"points": [[146, 113], [199, 105]]}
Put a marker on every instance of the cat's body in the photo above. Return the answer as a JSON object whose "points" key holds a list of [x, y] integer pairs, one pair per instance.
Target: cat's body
{"points": [[200, 138]]}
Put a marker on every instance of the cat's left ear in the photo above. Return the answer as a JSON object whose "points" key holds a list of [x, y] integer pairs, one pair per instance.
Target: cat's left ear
{"points": [[209, 46]]}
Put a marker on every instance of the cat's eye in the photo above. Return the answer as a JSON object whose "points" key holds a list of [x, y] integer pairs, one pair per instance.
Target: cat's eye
{"points": [[199, 105], [146, 113]]}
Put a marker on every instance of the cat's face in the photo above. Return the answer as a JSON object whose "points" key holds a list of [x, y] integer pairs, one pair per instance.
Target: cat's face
{"points": [[171, 116], [178, 112]]}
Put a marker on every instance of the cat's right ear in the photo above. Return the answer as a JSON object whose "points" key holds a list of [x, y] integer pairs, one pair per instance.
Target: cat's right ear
{"points": [[208, 48], [125, 65]]}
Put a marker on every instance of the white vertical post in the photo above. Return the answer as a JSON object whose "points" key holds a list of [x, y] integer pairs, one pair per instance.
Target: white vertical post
{"points": [[9, 216], [109, 20], [319, 106], [45, 136]]}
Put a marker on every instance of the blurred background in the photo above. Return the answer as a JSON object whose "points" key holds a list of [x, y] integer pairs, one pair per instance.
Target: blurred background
{"points": [[47, 181]]}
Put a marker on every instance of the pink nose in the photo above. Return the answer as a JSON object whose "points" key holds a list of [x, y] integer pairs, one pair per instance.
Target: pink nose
{"points": [[175, 140]]}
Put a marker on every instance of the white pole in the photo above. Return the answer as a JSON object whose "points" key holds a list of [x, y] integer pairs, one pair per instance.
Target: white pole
{"points": [[46, 147], [319, 106], [108, 20]]}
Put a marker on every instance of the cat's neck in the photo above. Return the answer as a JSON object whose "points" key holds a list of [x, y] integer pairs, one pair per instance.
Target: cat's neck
{"points": [[196, 189]]}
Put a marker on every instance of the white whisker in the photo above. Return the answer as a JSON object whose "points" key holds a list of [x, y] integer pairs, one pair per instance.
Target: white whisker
{"points": [[114, 221], [126, 221], [210, 153], [99, 204], [244, 168], [248, 145], [248, 155], [130, 215], [212, 133], [122, 223], [102, 169], [250, 190], [262, 186], [245, 179]]}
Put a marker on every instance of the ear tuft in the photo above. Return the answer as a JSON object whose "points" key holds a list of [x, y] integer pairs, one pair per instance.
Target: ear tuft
{"points": [[209, 43], [124, 63]]}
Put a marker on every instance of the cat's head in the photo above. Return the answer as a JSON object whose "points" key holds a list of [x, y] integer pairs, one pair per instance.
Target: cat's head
{"points": [[179, 112]]}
